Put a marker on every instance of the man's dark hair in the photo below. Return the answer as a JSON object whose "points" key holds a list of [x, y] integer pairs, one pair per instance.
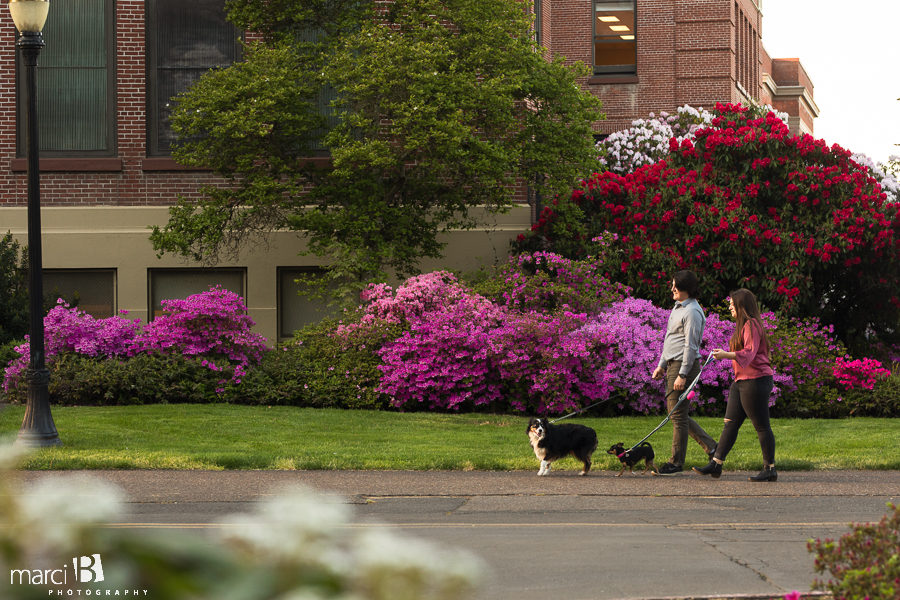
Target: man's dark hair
{"points": [[686, 281]]}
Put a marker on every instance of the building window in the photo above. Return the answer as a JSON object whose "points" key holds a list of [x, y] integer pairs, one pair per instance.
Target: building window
{"points": [[170, 284], [615, 44], [538, 25], [76, 79], [296, 311], [185, 39], [746, 54], [90, 290]]}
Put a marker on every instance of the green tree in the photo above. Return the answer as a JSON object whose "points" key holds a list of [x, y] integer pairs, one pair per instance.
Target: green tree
{"points": [[439, 107], [13, 290]]}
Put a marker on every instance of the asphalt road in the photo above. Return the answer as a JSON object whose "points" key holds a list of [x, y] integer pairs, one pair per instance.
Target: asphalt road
{"points": [[596, 537]]}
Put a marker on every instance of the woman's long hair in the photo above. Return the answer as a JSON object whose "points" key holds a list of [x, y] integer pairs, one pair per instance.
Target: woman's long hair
{"points": [[746, 310]]}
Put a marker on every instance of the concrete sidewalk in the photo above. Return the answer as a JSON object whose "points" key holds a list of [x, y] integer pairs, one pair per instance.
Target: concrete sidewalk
{"points": [[243, 486], [595, 537]]}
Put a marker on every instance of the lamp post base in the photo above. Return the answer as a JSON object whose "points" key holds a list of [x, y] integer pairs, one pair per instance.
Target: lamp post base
{"points": [[38, 429]]}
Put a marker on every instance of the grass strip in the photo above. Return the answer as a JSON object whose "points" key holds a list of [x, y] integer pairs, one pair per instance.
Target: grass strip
{"points": [[216, 437]]}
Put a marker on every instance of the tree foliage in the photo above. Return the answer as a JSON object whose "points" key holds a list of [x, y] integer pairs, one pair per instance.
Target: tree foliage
{"points": [[13, 290], [438, 107], [747, 204]]}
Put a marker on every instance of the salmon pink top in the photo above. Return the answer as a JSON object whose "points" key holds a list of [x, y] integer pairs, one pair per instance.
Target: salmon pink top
{"points": [[752, 361]]}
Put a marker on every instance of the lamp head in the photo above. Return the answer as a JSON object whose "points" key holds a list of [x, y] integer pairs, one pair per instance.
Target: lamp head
{"points": [[29, 15]]}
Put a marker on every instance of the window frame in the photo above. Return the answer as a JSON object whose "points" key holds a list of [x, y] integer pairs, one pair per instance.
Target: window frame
{"points": [[154, 147], [623, 69], [281, 309], [111, 272], [110, 115]]}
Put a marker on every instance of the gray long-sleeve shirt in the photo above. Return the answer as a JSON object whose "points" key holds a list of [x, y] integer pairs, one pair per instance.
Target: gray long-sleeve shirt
{"points": [[683, 335]]}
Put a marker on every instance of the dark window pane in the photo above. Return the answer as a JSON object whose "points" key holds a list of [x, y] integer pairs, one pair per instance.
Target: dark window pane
{"points": [[184, 41], [296, 311]]}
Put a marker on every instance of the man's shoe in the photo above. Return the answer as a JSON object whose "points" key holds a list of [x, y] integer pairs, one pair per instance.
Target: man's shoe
{"points": [[670, 469], [712, 468], [767, 474]]}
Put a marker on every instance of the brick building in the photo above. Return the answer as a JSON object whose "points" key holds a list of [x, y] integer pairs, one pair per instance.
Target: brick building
{"points": [[110, 67], [653, 55]]}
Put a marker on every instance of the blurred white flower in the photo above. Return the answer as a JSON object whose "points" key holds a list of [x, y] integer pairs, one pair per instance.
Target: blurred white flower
{"points": [[298, 524], [54, 512], [390, 565], [11, 455]]}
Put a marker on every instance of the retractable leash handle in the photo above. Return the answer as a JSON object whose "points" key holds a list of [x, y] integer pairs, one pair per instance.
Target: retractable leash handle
{"points": [[687, 394]]}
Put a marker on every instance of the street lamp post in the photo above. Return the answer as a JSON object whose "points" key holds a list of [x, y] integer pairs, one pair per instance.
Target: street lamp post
{"points": [[38, 428]]}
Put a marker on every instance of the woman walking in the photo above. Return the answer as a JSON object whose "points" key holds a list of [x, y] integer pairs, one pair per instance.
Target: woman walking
{"points": [[753, 382]]}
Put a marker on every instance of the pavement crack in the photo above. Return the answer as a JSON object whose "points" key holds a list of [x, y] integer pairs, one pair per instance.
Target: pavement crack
{"points": [[465, 501], [743, 564]]}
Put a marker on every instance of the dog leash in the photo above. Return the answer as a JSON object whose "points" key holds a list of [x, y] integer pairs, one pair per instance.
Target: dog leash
{"points": [[686, 394], [577, 412]]}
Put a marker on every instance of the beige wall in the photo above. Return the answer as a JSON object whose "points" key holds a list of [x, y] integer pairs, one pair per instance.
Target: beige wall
{"points": [[117, 238]]}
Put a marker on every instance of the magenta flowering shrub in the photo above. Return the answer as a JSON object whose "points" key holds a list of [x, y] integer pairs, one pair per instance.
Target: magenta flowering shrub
{"points": [[526, 351], [213, 325], [463, 351], [67, 329], [476, 354], [545, 281], [444, 361], [382, 304], [555, 362], [859, 374]]}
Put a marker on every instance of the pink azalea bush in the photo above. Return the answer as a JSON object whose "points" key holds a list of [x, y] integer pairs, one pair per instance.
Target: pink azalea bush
{"points": [[212, 326], [382, 304], [859, 374], [67, 329], [443, 361], [476, 353], [545, 281], [524, 348]]}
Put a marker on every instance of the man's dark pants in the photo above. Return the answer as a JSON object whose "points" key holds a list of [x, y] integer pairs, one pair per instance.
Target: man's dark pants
{"points": [[684, 426]]}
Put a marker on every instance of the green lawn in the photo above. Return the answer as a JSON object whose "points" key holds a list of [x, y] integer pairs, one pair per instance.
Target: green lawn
{"points": [[249, 437]]}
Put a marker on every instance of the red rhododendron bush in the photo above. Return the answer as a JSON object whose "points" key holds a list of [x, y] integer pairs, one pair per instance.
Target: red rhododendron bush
{"points": [[746, 204]]}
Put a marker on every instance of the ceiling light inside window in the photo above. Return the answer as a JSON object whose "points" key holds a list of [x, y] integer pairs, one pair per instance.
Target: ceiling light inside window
{"points": [[609, 19], [627, 37], [620, 27]]}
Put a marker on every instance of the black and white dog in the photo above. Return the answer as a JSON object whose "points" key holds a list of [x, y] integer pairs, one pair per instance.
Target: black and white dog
{"points": [[553, 442]]}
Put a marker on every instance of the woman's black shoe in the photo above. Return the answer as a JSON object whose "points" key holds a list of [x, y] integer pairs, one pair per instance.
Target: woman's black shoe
{"points": [[712, 468], [767, 474]]}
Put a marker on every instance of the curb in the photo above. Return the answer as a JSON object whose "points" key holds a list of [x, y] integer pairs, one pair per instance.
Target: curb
{"points": [[802, 596]]}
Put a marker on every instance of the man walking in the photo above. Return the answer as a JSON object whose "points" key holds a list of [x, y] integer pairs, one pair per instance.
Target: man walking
{"points": [[679, 364]]}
